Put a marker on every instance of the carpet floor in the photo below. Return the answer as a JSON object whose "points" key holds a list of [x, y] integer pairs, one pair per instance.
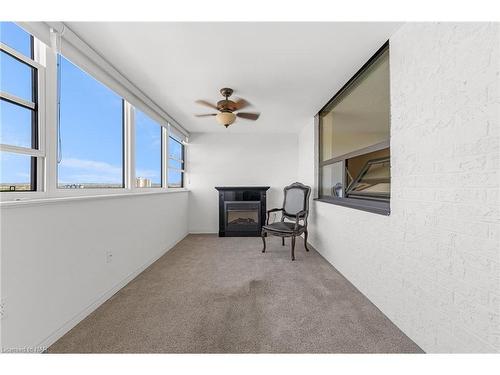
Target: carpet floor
{"points": [[222, 295]]}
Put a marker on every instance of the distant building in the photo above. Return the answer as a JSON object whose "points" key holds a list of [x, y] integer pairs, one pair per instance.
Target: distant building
{"points": [[142, 182]]}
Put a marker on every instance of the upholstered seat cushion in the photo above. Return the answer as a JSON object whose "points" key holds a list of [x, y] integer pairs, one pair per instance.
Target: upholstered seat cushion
{"points": [[284, 227]]}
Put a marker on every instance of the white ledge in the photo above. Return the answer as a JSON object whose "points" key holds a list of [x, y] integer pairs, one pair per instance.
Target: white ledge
{"points": [[69, 198]]}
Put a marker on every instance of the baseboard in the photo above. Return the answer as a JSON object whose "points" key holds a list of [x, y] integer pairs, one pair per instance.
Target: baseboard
{"points": [[66, 327], [216, 232]]}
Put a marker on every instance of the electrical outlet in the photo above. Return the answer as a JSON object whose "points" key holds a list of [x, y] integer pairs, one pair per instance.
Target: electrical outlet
{"points": [[109, 256]]}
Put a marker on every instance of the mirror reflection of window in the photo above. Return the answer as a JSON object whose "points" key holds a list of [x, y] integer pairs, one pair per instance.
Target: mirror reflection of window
{"points": [[360, 117], [354, 133], [373, 181], [333, 179]]}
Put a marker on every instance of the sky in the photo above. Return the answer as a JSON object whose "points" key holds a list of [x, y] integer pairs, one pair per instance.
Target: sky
{"points": [[91, 125]]}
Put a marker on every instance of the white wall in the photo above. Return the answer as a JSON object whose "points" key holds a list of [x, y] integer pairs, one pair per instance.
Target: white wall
{"points": [[433, 265], [54, 269], [236, 159]]}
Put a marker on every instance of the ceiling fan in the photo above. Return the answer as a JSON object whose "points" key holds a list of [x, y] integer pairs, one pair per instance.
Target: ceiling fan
{"points": [[226, 108]]}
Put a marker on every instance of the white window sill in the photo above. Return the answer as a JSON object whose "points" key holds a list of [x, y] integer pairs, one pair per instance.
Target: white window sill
{"points": [[68, 198]]}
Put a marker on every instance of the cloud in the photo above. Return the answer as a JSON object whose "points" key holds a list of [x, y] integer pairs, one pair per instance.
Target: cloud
{"points": [[91, 165], [73, 170]]}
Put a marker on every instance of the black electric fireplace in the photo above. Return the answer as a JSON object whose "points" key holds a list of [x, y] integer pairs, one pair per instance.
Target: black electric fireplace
{"points": [[242, 210]]}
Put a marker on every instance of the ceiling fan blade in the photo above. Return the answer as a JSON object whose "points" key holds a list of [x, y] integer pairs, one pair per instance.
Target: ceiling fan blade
{"points": [[241, 103], [248, 116], [207, 104], [207, 115]]}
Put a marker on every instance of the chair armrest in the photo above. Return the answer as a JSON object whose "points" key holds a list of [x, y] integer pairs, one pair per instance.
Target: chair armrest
{"points": [[272, 210], [299, 215]]}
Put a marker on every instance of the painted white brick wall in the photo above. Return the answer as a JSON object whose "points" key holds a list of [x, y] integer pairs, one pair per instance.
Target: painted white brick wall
{"points": [[433, 265]]}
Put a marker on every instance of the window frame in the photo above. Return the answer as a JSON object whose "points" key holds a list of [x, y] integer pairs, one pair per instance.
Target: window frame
{"points": [[183, 163], [373, 206], [37, 151]]}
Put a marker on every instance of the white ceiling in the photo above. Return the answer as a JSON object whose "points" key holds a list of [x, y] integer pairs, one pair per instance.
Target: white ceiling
{"points": [[287, 71]]}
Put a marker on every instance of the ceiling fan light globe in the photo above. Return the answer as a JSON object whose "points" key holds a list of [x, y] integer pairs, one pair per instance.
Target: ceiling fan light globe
{"points": [[225, 118]]}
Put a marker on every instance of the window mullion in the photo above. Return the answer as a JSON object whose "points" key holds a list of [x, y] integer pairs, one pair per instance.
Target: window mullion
{"points": [[183, 150], [179, 160], [180, 170], [164, 157], [18, 101], [48, 109], [21, 150], [129, 145], [19, 56]]}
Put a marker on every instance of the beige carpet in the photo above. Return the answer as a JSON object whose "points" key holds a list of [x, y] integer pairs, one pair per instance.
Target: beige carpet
{"points": [[222, 295]]}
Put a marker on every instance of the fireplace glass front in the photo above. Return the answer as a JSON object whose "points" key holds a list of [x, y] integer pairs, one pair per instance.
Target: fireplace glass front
{"points": [[242, 216]]}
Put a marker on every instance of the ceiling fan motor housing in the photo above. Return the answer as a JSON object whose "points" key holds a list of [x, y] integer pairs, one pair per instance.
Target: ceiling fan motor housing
{"points": [[226, 105]]}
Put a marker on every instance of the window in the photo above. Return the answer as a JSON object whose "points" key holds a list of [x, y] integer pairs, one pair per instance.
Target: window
{"points": [[90, 132], [354, 153], [21, 156], [148, 146], [99, 142], [175, 163]]}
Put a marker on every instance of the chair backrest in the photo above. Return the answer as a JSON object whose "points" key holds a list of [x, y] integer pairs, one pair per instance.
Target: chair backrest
{"points": [[296, 199]]}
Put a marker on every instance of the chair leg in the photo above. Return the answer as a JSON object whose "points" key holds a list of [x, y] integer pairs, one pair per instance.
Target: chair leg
{"points": [[305, 240], [263, 236], [282, 241], [293, 247]]}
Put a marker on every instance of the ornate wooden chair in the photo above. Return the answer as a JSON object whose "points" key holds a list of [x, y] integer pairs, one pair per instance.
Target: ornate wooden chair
{"points": [[296, 209]]}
